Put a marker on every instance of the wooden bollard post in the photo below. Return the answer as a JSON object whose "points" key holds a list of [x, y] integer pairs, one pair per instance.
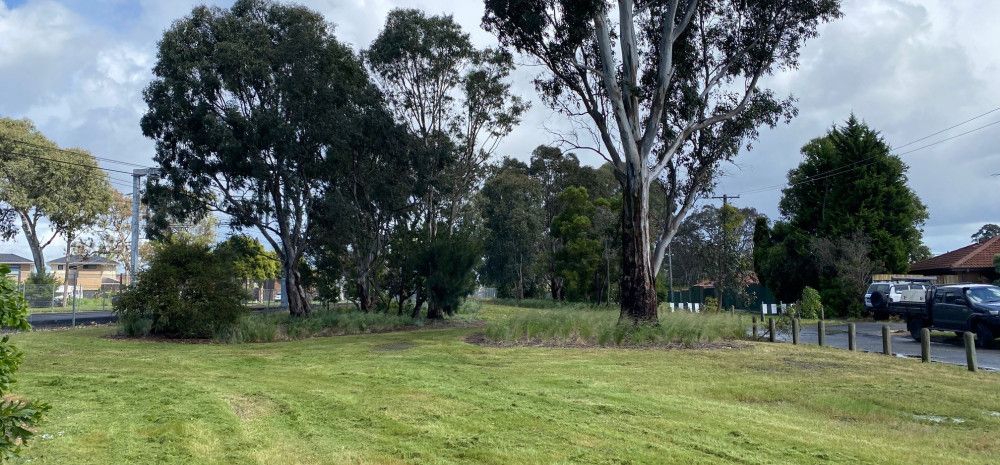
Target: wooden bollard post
{"points": [[851, 339], [795, 330], [886, 340], [925, 345], [755, 326], [970, 350], [770, 329], [821, 332]]}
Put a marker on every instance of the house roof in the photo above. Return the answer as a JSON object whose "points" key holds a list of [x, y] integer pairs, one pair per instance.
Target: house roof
{"points": [[13, 258], [81, 260], [968, 257]]}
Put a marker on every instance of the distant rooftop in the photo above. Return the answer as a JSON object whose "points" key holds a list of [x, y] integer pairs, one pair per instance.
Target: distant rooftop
{"points": [[81, 260], [970, 257], [13, 258]]}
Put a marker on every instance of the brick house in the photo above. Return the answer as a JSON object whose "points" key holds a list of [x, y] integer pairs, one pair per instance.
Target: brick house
{"points": [[970, 264]]}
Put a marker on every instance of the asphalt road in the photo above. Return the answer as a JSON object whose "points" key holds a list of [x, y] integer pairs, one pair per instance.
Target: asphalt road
{"points": [[65, 319], [945, 347], [51, 320]]}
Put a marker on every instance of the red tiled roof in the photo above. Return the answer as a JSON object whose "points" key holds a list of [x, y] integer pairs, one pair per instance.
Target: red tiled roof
{"points": [[970, 256]]}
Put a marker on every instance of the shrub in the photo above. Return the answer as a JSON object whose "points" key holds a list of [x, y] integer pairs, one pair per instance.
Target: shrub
{"points": [[275, 327], [187, 291], [810, 306], [39, 289], [17, 416], [711, 305]]}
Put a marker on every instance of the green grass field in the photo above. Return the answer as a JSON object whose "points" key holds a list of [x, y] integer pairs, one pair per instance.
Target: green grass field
{"points": [[427, 396]]}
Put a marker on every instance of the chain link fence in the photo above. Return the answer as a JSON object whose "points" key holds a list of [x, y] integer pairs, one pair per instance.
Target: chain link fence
{"points": [[57, 298]]}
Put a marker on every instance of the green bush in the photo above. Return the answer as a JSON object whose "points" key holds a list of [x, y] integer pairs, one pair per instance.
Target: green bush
{"points": [[711, 305], [810, 306], [188, 291], [600, 327], [17, 416], [39, 289]]}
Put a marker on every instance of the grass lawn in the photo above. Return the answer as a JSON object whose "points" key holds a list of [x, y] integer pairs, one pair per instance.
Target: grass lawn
{"points": [[429, 397]]}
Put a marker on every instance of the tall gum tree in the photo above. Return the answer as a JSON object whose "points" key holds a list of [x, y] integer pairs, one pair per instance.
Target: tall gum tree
{"points": [[245, 106], [43, 183], [666, 90]]}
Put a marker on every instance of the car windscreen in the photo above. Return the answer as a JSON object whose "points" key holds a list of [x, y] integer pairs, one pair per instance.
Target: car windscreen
{"points": [[979, 295], [883, 288]]}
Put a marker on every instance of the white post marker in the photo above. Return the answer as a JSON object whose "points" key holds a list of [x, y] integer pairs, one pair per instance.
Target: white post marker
{"points": [[697, 308], [763, 308]]}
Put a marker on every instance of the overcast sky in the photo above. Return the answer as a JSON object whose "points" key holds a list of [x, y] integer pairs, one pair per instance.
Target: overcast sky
{"points": [[907, 67]]}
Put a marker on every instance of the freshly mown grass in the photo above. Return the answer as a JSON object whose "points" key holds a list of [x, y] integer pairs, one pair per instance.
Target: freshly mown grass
{"points": [[600, 327], [426, 396]]}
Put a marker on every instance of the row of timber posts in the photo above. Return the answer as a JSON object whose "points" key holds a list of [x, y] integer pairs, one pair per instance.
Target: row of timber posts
{"points": [[852, 343]]}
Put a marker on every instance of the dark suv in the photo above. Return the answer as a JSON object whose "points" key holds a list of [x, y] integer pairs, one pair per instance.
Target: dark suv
{"points": [[959, 308]]}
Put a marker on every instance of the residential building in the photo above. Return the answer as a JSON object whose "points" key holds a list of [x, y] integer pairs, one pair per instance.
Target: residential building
{"points": [[88, 274], [970, 264], [20, 267]]}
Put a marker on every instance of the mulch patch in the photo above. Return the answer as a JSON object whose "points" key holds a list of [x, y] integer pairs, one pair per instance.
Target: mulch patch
{"points": [[480, 339]]}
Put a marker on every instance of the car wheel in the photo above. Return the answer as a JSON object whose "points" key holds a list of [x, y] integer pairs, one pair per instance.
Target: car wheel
{"points": [[984, 335]]}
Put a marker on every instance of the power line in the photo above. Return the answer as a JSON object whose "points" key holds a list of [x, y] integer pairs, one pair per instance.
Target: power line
{"points": [[45, 147], [67, 162], [947, 128], [871, 160]]}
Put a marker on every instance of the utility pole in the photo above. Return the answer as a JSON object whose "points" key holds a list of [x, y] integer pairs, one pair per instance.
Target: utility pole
{"points": [[720, 286], [136, 198]]}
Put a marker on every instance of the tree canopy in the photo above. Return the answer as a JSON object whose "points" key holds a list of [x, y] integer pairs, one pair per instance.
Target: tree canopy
{"points": [[680, 96], [865, 203], [43, 183], [245, 106], [985, 233]]}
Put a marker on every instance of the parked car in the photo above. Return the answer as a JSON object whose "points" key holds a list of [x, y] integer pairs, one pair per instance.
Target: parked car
{"points": [[893, 292], [957, 307]]}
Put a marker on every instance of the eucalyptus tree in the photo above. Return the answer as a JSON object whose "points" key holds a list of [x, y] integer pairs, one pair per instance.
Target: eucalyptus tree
{"points": [[44, 184], [245, 106], [454, 97], [513, 217], [679, 97], [366, 196]]}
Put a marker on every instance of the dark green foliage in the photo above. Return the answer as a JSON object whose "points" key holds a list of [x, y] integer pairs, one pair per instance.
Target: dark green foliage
{"points": [[513, 217], [838, 230], [872, 198], [187, 291], [245, 106], [17, 416], [251, 262], [447, 270], [579, 256]]}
